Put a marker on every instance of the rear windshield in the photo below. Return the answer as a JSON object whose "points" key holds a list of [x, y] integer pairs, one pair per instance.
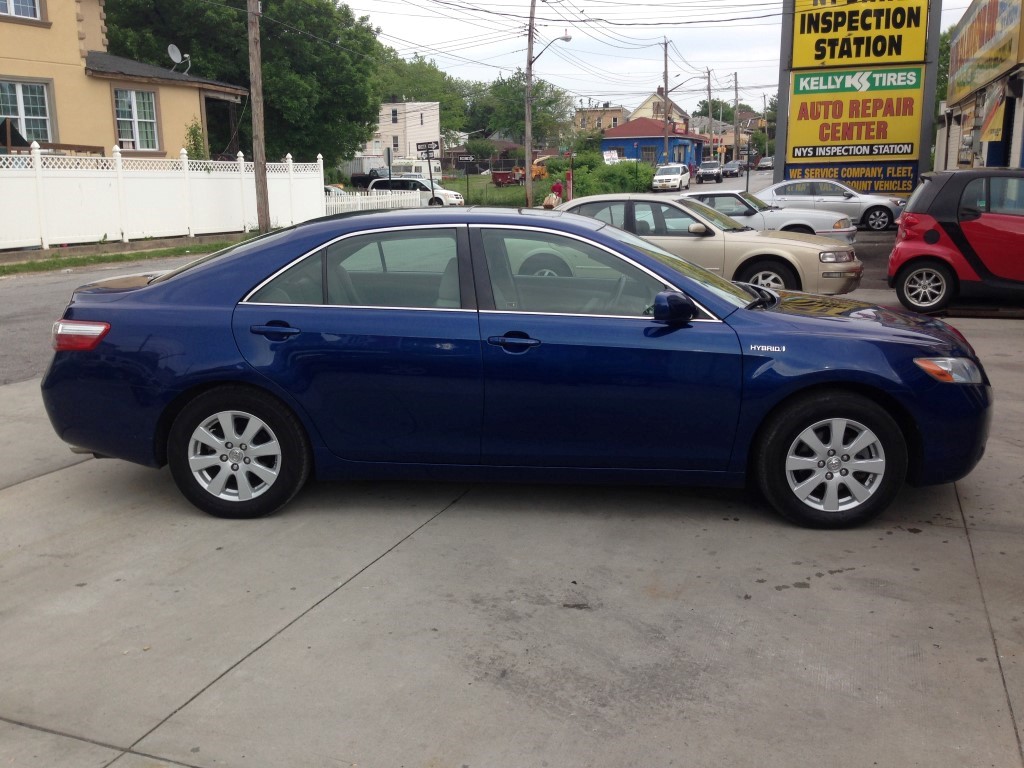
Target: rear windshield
{"points": [[916, 195], [248, 245]]}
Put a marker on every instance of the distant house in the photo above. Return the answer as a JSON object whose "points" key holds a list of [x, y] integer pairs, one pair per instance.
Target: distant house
{"points": [[60, 87], [655, 106], [643, 139], [401, 125], [599, 118]]}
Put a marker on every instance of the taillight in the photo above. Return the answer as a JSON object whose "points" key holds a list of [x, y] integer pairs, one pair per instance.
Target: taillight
{"points": [[78, 335]]}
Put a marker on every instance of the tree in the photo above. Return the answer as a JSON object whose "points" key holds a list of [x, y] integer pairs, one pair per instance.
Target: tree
{"points": [[552, 109], [481, 149], [318, 64]]}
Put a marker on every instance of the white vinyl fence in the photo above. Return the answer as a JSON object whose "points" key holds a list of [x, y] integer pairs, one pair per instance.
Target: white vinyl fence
{"points": [[48, 200], [361, 200]]}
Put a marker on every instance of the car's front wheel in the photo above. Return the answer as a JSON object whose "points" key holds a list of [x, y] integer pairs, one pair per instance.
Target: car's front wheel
{"points": [[830, 460], [238, 453], [769, 274], [878, 219], [925, 287]]}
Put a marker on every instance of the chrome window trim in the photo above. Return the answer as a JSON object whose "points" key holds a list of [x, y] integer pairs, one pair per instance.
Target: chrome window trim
{"points": [[710, 315], [640, 318], [327, 244]]}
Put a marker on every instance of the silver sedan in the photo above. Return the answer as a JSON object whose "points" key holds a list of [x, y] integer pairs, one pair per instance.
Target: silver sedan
{"points": [[876, 212], [754, 212]]}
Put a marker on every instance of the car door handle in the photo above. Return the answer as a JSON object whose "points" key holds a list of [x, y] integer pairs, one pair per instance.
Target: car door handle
{"points": [[513, 343], [274, 332]]}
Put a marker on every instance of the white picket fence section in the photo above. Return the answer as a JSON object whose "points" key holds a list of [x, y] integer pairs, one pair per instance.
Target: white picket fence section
{"points": [[50, 200], [361, 200]]}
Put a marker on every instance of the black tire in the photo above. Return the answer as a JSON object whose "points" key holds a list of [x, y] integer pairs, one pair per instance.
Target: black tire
{"points": [[805, 473], [251, 473], [718, 180], [769, 274], [700, 180], [545, 265], [926, 286], [878, 219], [436, 201]]}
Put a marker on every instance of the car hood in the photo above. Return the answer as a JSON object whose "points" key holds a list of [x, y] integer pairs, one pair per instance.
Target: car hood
{"points": [[860, 317], [780, 238]]}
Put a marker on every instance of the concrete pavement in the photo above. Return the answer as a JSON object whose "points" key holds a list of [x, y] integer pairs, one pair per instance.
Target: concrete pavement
{"points": [[401, 624]]}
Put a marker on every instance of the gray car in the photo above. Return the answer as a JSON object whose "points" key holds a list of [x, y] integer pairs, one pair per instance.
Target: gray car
{"points": [[876, 212]]}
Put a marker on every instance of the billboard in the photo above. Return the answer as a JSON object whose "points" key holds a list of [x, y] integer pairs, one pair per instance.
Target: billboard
{"points": [[851, 33], [865, 114]]}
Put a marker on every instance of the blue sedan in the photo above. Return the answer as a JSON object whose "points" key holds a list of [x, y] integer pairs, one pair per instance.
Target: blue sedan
{"points": [[435, 344]]}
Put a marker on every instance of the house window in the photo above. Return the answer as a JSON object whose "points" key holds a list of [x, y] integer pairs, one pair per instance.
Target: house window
{"points": [[25, 9], [394, 117], [394, 143], [136, 119], [25, 104], [615, 122], [647, 154], [421, 118], [583, 121], [599, 122]]}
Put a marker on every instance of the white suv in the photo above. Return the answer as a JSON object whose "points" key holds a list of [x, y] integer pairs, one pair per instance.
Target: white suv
{"points": [[436, 195], [675, 177]]}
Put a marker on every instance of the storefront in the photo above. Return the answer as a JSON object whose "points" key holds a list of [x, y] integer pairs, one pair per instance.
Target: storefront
{"points": [[982, 123]]}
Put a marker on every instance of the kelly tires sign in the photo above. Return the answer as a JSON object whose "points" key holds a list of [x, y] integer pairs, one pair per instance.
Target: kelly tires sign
{"points": [[864, 114]]}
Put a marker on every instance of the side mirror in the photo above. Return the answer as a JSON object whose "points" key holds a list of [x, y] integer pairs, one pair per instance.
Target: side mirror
{"points": [[848, 195], [673, 308], [697, 229]]}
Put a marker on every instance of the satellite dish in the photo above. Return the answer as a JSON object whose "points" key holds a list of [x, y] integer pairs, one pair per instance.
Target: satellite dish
{"points": [[174, 53]]}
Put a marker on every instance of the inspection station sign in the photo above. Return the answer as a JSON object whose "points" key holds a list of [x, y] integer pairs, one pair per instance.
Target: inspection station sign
{"points": [[830, 33]]}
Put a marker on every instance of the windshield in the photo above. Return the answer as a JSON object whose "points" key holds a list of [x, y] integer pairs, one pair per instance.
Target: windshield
{"points": [[669, 170], [719, 286], [755, 201], [717, 219]]}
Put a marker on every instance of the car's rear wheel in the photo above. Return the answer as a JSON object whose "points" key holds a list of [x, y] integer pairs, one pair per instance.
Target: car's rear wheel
{"points": [[925, 287], [831, 460], [769, 274], [878, 219], [238, 453]]}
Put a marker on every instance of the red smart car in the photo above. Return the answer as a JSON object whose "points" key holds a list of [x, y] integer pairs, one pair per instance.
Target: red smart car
{"points": [[961, 235]]}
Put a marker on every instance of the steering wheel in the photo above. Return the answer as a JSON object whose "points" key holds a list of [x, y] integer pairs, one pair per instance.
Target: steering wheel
{"points": [[620, 286]]}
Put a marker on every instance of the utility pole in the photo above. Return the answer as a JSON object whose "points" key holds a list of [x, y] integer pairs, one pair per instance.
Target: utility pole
{"points": [[711, 129], [666, 160], [528, 129], [259, 151], [735, 116]]}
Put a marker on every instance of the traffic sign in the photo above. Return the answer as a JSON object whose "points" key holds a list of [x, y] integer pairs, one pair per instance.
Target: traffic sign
{"points": [[466, 158], [423, 146]]}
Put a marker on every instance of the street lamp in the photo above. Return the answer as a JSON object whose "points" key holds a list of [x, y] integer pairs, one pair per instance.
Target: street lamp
{"points": [[528, 133]]}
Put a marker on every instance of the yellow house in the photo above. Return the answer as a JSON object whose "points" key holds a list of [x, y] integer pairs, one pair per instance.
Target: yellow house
{"points": [[60, 87]]}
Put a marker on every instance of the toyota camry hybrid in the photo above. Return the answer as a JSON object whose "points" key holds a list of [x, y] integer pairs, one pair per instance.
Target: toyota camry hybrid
{"points": [[421, 344]]}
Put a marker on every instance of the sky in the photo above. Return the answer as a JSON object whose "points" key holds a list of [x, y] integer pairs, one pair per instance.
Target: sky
{"points": [[617, 51]]}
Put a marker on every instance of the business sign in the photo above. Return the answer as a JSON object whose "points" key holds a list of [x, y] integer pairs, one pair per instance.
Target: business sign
{"points": [[876, 178], [850, 33], [863, 114], [983, 46]]}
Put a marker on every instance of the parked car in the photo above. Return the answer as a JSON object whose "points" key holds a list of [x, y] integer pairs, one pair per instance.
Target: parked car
{"points": [[755, 212], [697, 233], [766, 164], [402, 344], [960, 235], [430, 194], [876, 212], [332, 191], [709, 170], [672, 177], [734, 169]]}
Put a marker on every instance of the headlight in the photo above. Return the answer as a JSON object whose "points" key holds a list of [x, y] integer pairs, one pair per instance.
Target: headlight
{"points": [[951, 370], [835, 257], [842, 224]]}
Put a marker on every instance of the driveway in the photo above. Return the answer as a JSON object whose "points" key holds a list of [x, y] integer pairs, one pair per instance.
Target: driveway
{"points": [[417, 624]]}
